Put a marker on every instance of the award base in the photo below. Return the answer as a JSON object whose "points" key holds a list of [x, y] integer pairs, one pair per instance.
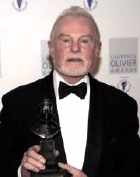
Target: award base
{"points": [[48, 175], [53, 174]]}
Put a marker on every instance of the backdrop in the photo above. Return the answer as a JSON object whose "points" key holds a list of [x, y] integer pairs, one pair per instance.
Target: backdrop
{"points": [[25, 28]]}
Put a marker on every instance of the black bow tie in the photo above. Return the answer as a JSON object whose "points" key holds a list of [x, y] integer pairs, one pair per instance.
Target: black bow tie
{"points": [[80, 90]]}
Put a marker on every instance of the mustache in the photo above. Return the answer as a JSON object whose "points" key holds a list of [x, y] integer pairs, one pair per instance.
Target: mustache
{"points": [[78, 56]]}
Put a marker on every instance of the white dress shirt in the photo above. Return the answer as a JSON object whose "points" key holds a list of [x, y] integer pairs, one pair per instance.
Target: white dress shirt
{"points": [[73, 117]]}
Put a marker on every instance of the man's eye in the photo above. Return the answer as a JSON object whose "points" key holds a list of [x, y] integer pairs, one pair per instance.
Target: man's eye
{"points": [[85, 41], [66, 40]]}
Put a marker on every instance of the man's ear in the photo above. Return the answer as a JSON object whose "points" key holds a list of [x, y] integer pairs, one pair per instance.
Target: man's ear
{"points": [[50, 46], [98, 49]]}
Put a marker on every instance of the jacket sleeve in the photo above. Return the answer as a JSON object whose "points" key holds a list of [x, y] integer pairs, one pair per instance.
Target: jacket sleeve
{"points": [[9, 139]]}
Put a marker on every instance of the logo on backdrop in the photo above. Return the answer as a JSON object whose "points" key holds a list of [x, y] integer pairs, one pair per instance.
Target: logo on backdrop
{"points": [[46, 65], [19, 5], [124, 85], [123, 55], [90, 4]]}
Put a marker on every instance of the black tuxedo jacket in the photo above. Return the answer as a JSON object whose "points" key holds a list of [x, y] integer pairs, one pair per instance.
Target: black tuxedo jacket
{"points": [[113, 146]]}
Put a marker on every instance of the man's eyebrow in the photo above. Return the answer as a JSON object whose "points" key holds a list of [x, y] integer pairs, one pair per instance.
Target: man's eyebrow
{"points": [[84, 35], [62, 34]]}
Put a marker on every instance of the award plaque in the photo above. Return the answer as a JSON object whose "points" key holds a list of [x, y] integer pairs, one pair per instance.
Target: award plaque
{"points": [[47, 129]]}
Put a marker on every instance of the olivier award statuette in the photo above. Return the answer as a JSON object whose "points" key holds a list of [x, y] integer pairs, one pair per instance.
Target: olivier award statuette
{"points": [[47, 129]]}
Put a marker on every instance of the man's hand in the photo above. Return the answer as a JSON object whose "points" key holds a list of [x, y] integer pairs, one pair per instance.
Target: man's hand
{"points": [[72, 170], [32, 161]]}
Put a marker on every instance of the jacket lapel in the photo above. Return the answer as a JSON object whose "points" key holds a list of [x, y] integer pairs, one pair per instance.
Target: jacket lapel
{"points": [[94, 140]]}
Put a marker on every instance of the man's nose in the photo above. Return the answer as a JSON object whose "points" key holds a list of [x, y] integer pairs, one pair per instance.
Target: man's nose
{"points": [[75, 46]]}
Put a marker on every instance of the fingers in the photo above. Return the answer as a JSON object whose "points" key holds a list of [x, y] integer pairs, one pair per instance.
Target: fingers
{"points": [[66, 167], [32, 160], [72, 170]]}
